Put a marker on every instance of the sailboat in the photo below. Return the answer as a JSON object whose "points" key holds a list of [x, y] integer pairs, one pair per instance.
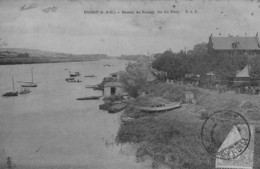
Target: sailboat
{"points": [[30, 84], [13, 93]]}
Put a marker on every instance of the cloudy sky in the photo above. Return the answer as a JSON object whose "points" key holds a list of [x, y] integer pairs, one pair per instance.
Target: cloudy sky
{"points": [[62, 26]]}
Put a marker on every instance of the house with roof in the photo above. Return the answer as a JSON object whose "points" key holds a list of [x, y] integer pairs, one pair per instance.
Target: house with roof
{"points": [[112, 85], [234, 45], [242, 77], [112, 88]]}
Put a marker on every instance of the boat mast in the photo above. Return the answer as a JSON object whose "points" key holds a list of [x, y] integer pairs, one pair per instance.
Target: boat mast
{"points": [[13, 83], [32, 73]]}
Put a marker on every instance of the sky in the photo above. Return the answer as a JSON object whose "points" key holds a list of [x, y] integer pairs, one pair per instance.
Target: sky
{"points": [[62, 25]]}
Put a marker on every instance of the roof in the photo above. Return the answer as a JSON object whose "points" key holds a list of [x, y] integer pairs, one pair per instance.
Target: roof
{"points": [[243, 43], [244, 72], [210, 74], [116, 73], [113, 84]]}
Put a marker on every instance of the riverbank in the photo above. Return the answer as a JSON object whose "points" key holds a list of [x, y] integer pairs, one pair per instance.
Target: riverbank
{"points": [[172, 138]]}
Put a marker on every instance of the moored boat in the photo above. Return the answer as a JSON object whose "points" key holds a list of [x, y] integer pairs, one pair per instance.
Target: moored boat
{"points": [[72, 79], [30, 84], [13, 93], [160, 107], [74, 74], [89, 98], [90, 76], [9, 94], [105, 106], [117, 107], [25, 91]]}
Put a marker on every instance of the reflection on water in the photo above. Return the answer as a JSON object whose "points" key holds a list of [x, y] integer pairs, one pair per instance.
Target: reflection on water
{"points": [[49, 127]]}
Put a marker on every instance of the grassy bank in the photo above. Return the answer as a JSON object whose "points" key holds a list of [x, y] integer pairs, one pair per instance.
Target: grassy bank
{"points": [[172, 138]]}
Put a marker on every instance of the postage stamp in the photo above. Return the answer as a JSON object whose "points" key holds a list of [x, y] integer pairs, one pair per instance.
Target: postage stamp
{"points": [[225, 134], [244, 160]]}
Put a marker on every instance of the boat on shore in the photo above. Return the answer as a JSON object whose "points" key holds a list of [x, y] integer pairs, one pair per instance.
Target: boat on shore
{"points": [[126, 119], [30, 84], [117, 107], [25, 91], [89, 98], [160, 107], [13, 93]]}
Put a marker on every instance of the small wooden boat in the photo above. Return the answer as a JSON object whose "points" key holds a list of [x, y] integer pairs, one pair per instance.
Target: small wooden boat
{"points": [[9, 94], [72, 79], [105, 106], [160, 107], [90, 76], [30, 84], [74, 74], [69, 79], [89, 98], [13, 93], [25, 91], [117, 107]]}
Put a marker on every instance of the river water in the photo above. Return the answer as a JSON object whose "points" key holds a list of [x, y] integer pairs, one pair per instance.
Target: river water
{"points": [[49, 128]]}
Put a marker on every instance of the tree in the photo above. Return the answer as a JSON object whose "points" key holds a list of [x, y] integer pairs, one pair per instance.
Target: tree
{"points": [[134, 78]]}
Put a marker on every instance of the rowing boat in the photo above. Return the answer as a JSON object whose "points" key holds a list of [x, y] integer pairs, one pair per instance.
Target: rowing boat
{"points": [[160, 107], [117, 107], [89, 98]]}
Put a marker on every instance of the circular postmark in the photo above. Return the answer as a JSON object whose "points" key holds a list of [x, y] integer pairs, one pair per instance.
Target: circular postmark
{"points": [[225, 134]]}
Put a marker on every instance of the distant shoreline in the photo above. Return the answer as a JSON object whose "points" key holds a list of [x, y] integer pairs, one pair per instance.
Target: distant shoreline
{"points": [[39, 60], [12, 56]]}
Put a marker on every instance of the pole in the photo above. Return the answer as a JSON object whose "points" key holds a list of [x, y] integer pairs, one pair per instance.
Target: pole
{"points": [[13, 83]]}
